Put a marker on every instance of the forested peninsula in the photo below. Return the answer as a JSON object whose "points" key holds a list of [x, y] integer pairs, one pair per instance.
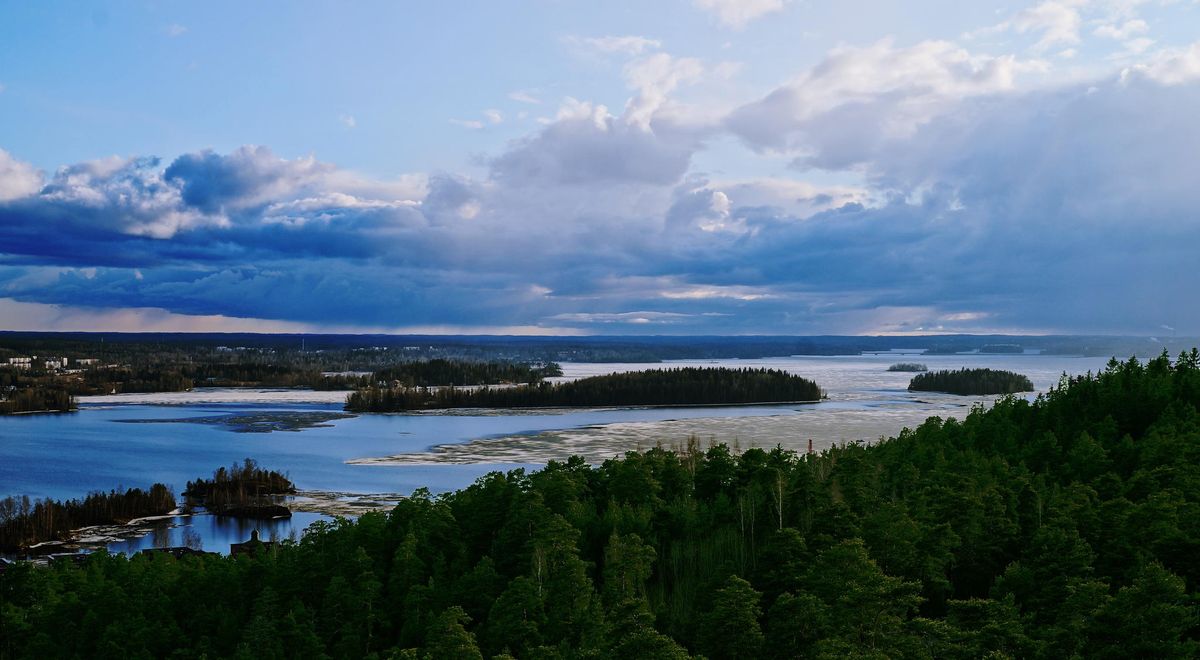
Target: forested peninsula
{"points": [[656, 387], [975, 382], [36, 399], [25, 522], [1061, 527]]}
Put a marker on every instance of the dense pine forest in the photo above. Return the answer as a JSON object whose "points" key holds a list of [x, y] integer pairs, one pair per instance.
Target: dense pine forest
{"points": [[24, 522], [971, 382], [656, 387], [1064, 527], [908, 366]]}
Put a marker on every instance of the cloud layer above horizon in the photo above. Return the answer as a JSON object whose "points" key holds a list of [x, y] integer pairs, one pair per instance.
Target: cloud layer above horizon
{"points": [[989, 183]]}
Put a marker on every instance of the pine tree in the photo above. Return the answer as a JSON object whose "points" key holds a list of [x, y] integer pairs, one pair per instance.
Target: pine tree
{"points": [[730, 629]]}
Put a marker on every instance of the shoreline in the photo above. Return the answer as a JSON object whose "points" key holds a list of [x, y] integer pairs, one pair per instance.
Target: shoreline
{"points": [[557, 409], [40, 412]]}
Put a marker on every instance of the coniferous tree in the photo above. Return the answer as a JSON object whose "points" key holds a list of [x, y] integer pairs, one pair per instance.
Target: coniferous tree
{"points": [[730, 627]]}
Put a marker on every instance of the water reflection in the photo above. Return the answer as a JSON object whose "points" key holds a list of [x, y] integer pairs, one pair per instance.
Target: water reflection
{"points": [[214, 533]]}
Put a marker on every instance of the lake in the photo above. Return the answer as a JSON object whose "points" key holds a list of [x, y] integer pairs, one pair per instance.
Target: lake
{"points": [[136, 440]]}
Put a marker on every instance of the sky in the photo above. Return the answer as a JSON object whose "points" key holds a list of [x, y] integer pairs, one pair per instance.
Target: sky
{"points": [[783, 167]]}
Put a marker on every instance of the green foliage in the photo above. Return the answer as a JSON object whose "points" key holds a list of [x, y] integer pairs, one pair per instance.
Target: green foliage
{"points": [[730, 629], [1062, 527], [975, 382], [448, 638], [908, 366], [683, 386]]}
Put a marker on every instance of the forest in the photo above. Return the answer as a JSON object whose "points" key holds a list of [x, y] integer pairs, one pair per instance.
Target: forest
{"points": [[427, 373], [973, 382], [370, 352], [36, 399], [24, 522], [655, 387], [181, 370], [908, 366], [243, 490], [1068, 526]]}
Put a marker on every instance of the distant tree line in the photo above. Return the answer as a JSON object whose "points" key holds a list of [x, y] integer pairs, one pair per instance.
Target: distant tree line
{"points": [[370, 352], [1058, 528], [175, 372], [681, 386], [37, 399], [908, 366], [242, 490], [971, 382], [24, 522], [456, 372]]}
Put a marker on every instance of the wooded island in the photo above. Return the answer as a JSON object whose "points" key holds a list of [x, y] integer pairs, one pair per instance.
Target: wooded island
{"points": [[976, 382], [655, 387]]}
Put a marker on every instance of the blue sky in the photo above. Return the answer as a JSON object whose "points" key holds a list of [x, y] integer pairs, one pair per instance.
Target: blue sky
{"points": [[554, 167]]}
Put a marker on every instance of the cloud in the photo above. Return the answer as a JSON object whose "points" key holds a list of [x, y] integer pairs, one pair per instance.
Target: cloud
{"points": [[1122, 31], [248, 177], [1058, 22], [712, 292], [654, 78], [24, 316], [521, 96], [635, 318], [490, 116], [347, 120], [1055, 22], [17, 179], [1033, 208], [473, 124], [737, 13], [613, 45], [176, 30], [956, 199], [1168, 66], [838, 112], [586, 144]]}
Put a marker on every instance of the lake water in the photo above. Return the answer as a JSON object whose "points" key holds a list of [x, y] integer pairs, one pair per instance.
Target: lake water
{"points": [[136, 440]]}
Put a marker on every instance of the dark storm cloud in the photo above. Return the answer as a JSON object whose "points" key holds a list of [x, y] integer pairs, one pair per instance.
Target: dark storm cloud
{"points": [[1066, 209]]}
